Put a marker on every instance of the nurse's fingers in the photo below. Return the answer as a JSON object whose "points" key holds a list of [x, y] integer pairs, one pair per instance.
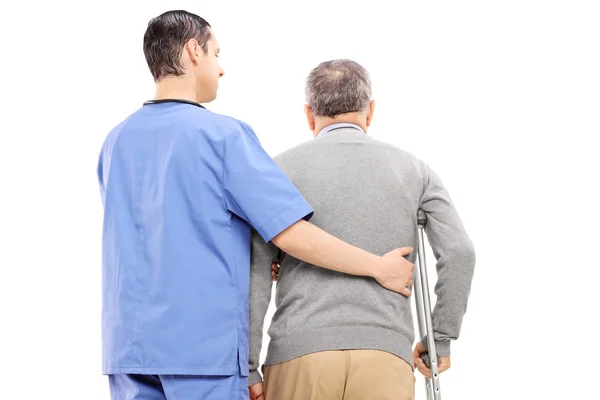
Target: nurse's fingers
{"points": [[275, 270]]}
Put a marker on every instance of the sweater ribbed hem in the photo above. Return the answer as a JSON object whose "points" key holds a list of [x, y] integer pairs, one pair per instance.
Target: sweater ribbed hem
{"points": [[339, 338]]}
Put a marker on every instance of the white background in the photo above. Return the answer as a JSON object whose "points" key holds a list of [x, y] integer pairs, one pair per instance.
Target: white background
{"points": [[500, 98]]}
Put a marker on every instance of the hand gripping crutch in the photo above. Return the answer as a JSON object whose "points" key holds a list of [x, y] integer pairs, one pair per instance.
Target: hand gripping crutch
{"points": [[432, 385]]}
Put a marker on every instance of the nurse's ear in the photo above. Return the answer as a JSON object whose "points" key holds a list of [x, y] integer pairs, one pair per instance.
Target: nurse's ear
{"points": [[192, 51]]}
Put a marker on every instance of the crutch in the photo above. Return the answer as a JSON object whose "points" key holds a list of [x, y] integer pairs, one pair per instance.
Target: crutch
{"points": [[432, 385]]}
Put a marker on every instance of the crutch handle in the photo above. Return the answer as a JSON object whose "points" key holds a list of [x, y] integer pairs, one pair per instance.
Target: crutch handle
{"points": [[421, 217], [426, 360]]}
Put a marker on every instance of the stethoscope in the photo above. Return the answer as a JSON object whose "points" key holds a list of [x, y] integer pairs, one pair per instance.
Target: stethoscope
{"points": [[183, 101]]}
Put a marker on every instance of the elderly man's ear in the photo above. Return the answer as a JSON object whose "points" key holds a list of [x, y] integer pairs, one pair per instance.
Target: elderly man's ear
{"points": [[310, 118], [371, 111]]}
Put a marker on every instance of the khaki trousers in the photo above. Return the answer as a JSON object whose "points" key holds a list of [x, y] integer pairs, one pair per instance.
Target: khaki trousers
{"points": [[341, 375]]}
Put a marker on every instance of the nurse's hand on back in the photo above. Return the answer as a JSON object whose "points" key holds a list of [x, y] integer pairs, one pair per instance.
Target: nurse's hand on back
{"points": [[313, 245], [182, 189]]}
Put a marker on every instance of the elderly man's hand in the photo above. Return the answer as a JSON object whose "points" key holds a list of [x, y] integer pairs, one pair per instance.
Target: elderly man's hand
{"points": [[256, 391], [420, 364]]}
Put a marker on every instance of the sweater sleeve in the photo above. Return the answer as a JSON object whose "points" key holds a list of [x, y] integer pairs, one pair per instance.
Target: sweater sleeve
{"points": [[455, 265], [262, 256]]}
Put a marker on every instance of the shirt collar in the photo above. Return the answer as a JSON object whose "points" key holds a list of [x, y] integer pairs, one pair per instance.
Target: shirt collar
{"points": [[339, 125], [184, 101]]}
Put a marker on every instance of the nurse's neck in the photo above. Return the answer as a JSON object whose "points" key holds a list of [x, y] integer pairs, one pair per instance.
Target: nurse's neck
{"points": [[176, 87]]}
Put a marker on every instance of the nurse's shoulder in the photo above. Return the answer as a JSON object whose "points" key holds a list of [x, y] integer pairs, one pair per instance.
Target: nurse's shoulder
{"points": [[223, 126]]}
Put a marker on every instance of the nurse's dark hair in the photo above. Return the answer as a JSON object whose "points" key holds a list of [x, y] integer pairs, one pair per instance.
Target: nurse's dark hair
{"points": [[165, 38]]}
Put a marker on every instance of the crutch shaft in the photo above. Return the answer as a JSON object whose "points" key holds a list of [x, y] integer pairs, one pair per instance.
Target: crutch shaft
{"points": [[418, 290], [424, 311]]}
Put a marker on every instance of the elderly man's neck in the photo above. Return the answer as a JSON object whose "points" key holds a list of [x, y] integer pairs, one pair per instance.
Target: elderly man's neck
{"points": [[356, 118]]}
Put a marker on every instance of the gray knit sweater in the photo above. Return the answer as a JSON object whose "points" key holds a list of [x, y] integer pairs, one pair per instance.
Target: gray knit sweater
{"points": [[367, 193]]}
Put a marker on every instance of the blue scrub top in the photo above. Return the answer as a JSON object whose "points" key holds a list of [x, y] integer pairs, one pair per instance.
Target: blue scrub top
{"points": [[182, 188]]}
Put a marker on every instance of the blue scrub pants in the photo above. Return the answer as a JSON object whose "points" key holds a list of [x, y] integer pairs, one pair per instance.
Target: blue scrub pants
{"points": [[178, 387]]}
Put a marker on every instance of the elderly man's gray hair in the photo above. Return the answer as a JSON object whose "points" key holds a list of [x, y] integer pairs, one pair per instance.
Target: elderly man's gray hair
{"points": [[338, 87]]}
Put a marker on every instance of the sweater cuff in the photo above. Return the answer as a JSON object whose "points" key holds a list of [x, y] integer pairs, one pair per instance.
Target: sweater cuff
{"points": [[441, 347], [254, 377]]}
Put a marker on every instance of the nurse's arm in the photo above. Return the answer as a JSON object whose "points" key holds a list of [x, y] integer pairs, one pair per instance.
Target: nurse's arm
{"points": [[311, 244]]}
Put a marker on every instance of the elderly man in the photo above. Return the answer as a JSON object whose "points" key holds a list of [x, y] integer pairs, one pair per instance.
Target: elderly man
{"points": [[336, 336]]}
